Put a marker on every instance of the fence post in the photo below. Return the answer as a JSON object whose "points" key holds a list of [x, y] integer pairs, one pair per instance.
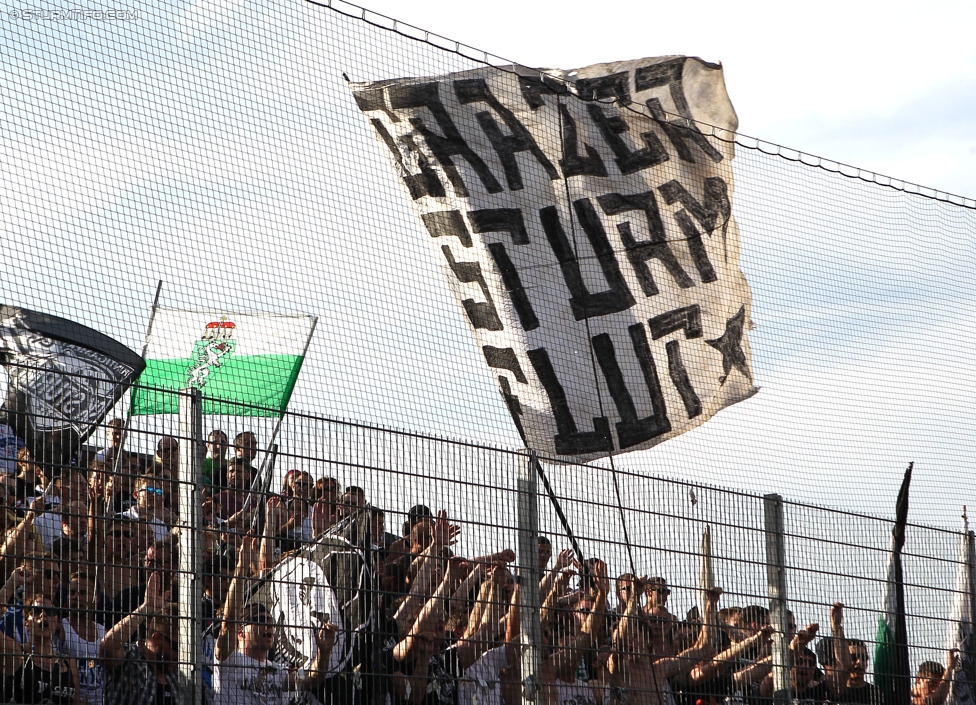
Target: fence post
{"points": [[191, 545], [776, 575], [528, 562]]}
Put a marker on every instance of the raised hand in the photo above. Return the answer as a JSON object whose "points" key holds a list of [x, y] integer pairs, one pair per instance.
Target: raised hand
{"points": [[326, 636], [275, 516], [155, 600], [247, 552], [601, 580], [458, 568], [506, 555], [564, 559], [952, 660], [837, 616], [445, 533], [37, 507], [805, 636]]}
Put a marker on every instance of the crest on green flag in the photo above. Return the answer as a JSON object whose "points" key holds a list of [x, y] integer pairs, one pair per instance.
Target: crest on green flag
{"points": [[209, 353]]}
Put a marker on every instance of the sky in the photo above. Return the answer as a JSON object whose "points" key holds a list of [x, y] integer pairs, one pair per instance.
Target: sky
{"points": [[889, 87]]}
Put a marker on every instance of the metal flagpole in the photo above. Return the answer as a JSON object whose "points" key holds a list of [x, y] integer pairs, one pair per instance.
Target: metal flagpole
{"points": [[117, 460], [528, 577], [262, 483], [191, 547]]}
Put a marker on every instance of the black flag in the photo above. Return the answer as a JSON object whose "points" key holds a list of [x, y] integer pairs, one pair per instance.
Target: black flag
{"points": [[892, 674], [62, 378]]}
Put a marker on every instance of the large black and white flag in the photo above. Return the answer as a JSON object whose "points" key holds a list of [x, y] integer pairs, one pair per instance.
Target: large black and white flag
{"points": [[583, 220], [328, 580], [62, 378]]}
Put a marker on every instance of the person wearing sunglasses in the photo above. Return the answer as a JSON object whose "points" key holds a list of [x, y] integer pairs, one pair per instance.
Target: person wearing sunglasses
{"points": [[37, 575], [293, 509], [148, 495], [39, 673]]}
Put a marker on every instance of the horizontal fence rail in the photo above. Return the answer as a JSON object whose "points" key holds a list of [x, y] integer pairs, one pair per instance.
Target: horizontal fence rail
{"points": [[348, 563]]}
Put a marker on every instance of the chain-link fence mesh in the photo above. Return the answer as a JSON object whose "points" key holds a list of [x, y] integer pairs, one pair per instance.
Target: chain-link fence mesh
{"points": [[217, 148]]}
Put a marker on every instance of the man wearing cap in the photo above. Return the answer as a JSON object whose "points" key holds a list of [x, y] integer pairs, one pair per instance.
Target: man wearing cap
{"points": [[243, 674], [417, 513]]}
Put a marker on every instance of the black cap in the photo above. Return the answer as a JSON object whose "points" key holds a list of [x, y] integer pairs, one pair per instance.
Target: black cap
{"points": [[415, 515]]}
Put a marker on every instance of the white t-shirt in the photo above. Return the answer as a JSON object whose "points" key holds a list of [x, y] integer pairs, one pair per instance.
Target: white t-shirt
{"points": [[481, 684], [48, 525], [90, 678], [241, 680], [159, 529]]}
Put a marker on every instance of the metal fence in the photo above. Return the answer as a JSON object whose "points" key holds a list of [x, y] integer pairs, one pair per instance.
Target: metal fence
{"points": [[342, 517], [218, 148]]}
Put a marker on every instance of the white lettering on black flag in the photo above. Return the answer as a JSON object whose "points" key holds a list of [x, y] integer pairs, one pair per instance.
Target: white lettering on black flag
{"points": [[584, 223]]}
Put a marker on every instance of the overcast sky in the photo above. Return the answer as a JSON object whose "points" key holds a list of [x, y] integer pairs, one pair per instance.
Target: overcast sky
{"points": [[885, 86]]}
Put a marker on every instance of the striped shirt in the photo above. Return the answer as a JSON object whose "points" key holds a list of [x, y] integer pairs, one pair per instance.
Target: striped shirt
{"points": [[131, 680]]}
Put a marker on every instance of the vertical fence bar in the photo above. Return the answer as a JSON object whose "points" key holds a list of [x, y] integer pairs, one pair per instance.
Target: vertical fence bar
{"points": [[776, 576], [191, 545], [528, 561]]}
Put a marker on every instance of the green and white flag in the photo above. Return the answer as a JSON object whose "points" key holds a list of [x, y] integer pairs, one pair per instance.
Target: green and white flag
{"points": [[891, 669], [245, 364]]}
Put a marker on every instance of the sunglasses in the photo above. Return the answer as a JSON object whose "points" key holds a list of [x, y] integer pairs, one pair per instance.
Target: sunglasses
{"points": [[119, 534], [50, 574], [260, 619], [158, 491]]}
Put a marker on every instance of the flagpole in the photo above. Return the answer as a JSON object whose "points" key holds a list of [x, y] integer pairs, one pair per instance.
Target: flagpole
{"points": [[260, 482], [117, 460]]}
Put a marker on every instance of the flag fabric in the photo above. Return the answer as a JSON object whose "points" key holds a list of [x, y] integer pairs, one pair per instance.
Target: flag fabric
{"points": [[962, 689], [61, 378], [244, 364], [891, 669], [583, 222], [328, 580]]}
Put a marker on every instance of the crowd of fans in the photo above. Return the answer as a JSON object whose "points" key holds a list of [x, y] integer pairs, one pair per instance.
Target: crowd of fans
{"points": [[89, 563]]}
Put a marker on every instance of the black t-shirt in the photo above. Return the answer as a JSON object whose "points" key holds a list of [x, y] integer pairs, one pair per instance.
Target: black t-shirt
{"points": [[33, 684], [812, 696], [867, 695], [164, 695], [442, 678]]}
